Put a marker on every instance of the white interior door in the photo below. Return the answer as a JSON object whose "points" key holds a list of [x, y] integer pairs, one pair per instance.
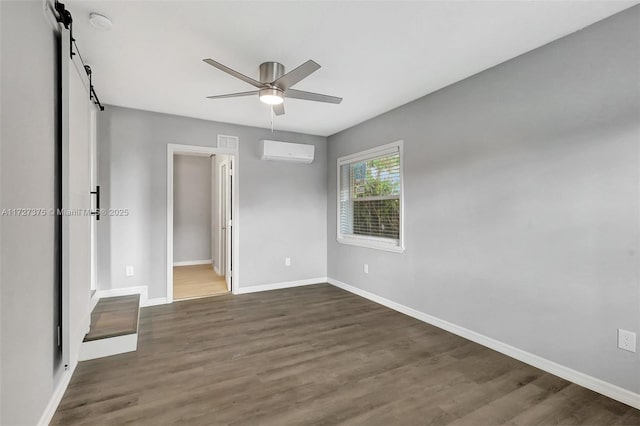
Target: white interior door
{"points": [[223, 219], [213, 211], [229, 223]]}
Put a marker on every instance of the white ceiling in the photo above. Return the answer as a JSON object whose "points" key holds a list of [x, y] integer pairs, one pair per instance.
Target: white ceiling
{"points": [[376, 55]]}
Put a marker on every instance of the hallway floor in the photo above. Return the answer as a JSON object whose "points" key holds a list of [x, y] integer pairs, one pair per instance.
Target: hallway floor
{"points": [[197, 281]]}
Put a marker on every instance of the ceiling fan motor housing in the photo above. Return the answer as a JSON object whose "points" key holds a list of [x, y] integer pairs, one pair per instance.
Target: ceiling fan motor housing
{"points": [[271, 71]]}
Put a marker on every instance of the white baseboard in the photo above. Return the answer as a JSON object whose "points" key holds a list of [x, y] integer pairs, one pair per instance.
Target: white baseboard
{"points": [[82, 354], [127, 291], [216, 269], [193, 262], [57, 395], [107, 347], [155, 301], [277, 286], [612, 391]]}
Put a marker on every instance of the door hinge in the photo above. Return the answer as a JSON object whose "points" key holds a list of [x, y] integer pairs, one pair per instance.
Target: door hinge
{"points": [[230, 222]]}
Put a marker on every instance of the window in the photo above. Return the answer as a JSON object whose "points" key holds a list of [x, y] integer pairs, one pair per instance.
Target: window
{"points": [[370, 198]]}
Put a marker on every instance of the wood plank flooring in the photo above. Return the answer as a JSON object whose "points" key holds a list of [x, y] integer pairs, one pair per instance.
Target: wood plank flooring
{"points": [[197, 281], [316, 355], [114, 316]]}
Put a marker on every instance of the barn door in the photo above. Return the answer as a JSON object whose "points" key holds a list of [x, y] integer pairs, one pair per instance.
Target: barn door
{"points": [[77, 137]]}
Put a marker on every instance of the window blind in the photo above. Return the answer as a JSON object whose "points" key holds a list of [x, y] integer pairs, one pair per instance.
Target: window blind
{"points": [[370, 196]]}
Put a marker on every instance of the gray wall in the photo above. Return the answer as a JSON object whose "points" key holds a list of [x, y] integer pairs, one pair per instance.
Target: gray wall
{"points": [[282, 206], [521, 200], [27, 270], [191, 208]]}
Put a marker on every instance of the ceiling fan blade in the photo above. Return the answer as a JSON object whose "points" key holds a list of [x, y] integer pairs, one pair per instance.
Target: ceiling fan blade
{"points": [[295, 75], [234, 73], [278, 109], [309, 96], [234, 95]]}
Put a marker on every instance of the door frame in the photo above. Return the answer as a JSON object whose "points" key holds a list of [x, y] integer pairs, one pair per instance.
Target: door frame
{"points": [[225, 186], [172, 150]]}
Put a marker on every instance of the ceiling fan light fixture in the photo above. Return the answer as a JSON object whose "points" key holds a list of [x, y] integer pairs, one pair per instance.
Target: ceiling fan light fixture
{"points": [[271, 96], [274, 84]]}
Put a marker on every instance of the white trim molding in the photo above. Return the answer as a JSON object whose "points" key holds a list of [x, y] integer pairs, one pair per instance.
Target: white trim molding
{"points": [[193, 262], [154, 302], [66, 375], [278, 286], [110, 346], [173, 149], [612, 391], [56, 397], [127, 291]]}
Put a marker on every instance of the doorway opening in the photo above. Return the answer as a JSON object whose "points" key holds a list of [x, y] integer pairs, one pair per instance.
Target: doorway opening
{"points": [[200, 231]]}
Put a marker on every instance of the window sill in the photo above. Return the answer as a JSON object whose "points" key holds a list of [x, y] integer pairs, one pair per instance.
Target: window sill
{"points": [[372, 243]]}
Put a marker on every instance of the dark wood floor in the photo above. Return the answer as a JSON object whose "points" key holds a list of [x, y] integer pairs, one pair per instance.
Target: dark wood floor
{"points": [[114, 316], [316, 355]]}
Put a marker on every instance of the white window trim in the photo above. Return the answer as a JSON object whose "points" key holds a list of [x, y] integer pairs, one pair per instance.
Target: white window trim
{"points": [[377, 243]]}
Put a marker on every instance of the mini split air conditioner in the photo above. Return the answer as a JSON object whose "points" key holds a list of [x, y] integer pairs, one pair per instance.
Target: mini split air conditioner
{"points": [[285, 151]]}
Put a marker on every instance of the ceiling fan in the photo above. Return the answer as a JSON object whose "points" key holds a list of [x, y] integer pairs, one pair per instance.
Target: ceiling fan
{"points": [[274, 85]]}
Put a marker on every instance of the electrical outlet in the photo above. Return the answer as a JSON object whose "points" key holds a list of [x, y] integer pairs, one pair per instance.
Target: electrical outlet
{"points": [[129, 270], [287, 261], [626, 340], [366, 268]]}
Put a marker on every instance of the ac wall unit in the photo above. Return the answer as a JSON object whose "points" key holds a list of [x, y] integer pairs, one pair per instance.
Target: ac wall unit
{"points": [[286, 151]]}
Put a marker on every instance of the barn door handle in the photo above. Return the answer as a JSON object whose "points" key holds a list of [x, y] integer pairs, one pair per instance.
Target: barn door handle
{"points": [[96, 212]]}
